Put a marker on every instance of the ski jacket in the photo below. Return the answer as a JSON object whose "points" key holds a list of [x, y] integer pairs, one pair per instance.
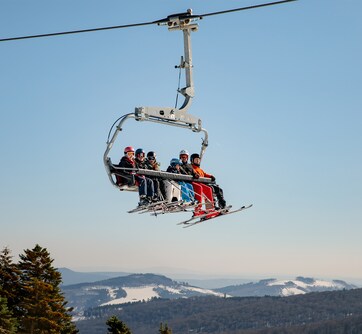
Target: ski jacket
{"points": [[140, 164], [126, 176], [174, 170], [187, 169], [153, 166], [199, 171]]}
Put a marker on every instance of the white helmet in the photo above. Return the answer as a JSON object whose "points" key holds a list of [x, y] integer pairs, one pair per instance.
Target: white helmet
{"points": [[184, 152]]}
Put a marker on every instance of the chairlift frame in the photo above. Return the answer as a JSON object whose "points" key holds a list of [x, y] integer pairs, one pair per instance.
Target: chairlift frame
{"points": [[166, 115]]}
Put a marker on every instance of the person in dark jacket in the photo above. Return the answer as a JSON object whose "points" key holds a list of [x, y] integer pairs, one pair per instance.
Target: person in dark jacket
{"points": [[152, 164], [151, 161], [127, 177], [186, 167], [145, 187], [140, 159]]}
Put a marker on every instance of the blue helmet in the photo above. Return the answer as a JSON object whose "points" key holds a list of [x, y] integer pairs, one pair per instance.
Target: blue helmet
{"points": [[175, 162], [140, 151]]}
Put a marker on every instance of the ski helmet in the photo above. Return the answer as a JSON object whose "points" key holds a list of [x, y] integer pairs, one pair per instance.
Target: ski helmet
{"points": [[128, 149], [151, 155], [174, 162], [194, 156], [140, 151], [184, 152]]}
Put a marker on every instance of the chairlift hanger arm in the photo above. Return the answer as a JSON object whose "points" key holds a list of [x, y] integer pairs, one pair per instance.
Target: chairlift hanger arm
{"points": [[178, 116]]}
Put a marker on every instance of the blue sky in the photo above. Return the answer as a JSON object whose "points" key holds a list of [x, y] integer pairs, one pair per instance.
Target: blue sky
{"points": [[277, 88]]}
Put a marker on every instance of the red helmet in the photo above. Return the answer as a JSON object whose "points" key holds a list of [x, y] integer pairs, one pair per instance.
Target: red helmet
{"points": [[128, 149]]}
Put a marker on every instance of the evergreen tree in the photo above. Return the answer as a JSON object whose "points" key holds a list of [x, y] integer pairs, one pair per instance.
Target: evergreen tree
{"points": [[9, 281], [42, 306], [7, 321], [115, 326], [164, 329]]}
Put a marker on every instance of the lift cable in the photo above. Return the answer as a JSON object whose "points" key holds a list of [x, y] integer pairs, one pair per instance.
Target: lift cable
{"points": [[162, 21]]}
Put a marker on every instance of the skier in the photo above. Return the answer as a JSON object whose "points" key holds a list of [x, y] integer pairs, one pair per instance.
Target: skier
{"points": [[195, 162], [145, 185], [152, 164], [151, 161], [186, 167], [187, 191]]}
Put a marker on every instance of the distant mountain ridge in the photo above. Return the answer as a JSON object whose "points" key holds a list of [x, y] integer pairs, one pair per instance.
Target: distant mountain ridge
{"points": [[283, 288], [144, 287], [74, 277]]}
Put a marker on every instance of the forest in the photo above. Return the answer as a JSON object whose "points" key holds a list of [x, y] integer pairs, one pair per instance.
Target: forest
{"points": [[319, 312]]}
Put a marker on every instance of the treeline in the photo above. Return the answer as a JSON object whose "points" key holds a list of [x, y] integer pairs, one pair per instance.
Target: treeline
{"points": [[319, 312], [30, 297]]}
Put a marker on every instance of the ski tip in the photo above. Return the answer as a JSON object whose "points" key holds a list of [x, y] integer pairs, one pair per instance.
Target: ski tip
{"points": [[246, 206]]}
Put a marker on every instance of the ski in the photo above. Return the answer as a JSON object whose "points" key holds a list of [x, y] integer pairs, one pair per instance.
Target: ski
{"points": [[149, 206], [188, 221], [153, 207], [204, 218], [173, 207], [162, 207]]}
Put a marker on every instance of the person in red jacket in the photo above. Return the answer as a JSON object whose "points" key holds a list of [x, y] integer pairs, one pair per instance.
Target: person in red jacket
{"points": [[214, 188]]}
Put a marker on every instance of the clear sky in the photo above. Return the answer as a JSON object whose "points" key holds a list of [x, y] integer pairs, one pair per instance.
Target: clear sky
{"points": [[278, 89]]}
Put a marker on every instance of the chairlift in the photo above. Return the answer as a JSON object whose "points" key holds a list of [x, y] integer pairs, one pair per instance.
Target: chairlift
{"points": [[169, 116]]}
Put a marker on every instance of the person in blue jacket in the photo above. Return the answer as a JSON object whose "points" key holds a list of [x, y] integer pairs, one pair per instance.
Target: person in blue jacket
{"points": [[187, 191]]}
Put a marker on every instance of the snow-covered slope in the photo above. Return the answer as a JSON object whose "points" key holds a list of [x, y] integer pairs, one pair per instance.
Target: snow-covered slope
{"points": [[303, 285], [274, 287], [129, 289]]}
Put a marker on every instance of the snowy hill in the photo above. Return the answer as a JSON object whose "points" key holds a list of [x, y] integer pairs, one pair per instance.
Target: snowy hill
{"points": [[274, 287], [128, 289]]}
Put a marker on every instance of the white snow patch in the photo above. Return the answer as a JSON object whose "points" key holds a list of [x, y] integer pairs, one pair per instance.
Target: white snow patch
{"points": [[275, 282], [303, 285], [110, 291], [134, 295], [291, 292], [284, 282], [169, 289], [325, 284], [204, 291]]}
